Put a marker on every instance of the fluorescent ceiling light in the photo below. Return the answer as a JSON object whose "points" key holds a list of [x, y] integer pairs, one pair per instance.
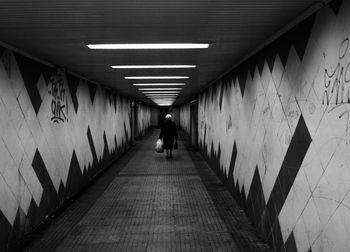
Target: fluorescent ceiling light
{"points": [[156, 77], [156, 98], [166, 98], [159, 84], [159, 99], [161, 92], [149, 46], [158, 89], [164, 101], [164, 104], [161, 96], [152, 66]]}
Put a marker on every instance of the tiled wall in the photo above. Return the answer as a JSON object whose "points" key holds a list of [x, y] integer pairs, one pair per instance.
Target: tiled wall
{"points": [[143, 119], [57, 132], [185, 118], [175, 115], [276, 130], [154, 116]]}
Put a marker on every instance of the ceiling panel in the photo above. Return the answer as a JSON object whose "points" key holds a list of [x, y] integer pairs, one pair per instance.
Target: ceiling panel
{"points": [[57, 31]]}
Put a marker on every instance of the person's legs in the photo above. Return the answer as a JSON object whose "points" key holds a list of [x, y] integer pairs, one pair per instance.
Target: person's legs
{"points": [[167, 153], [171, 152]]}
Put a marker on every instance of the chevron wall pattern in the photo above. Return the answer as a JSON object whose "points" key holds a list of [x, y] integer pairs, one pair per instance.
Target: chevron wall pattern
{"points": [[57, 132], [185, 118], [276, 131], [143, 119]]}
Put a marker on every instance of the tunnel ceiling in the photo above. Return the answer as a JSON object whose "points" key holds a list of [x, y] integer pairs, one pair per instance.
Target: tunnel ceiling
{"points": [[57, 31]]}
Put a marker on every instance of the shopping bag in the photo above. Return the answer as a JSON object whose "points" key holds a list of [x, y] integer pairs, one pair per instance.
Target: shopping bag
{"points": [[175, 145], [159, 146]]}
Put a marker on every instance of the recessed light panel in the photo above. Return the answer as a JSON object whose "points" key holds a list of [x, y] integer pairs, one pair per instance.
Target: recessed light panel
{"points": [[156, 77], [159, 89], [159, 84], [161, 92], [151, 66], [148, 46], [161, 95]]}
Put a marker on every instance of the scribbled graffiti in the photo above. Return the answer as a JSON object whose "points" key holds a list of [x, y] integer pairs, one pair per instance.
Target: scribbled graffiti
{"points": [[337, 79], [59, 102], [337, 85]]}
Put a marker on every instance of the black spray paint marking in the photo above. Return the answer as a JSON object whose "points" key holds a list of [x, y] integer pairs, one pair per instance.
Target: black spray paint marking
{"points": [[337, 84], [59, 102]]}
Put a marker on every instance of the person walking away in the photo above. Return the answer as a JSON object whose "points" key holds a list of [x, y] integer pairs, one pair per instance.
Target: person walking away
{"points": [[168, 134]]}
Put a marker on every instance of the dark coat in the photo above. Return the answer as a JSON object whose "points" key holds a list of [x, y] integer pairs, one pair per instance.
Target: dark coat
{"points": [[168, 133]]}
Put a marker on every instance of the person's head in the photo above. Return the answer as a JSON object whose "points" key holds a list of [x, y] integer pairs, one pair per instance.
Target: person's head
{"points": [[168, 117]]}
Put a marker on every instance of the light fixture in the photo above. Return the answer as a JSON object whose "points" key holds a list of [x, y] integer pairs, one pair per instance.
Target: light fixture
{"points": [[164, 104], [157, 94], [162, 100], [159, 84], [156, 77], [158, 89], [161, 96], [149, 46], [161, 92], [151, 66]]}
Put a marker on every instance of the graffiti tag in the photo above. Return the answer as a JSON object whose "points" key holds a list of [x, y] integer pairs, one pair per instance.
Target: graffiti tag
{"points": [[337, 84], [336, 81], [59, 102]]}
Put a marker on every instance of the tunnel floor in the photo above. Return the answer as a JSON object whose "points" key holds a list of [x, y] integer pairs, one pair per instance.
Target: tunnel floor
{"points": [[145, 202]]}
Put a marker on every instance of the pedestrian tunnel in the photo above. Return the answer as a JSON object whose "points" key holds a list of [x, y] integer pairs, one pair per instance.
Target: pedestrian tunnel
{"points": [[262, 162]]}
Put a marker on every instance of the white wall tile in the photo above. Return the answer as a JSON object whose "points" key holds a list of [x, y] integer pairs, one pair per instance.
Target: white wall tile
{"points": [[297, 199], [266, 76], [335, 236], [312, 221], [27, 140], [292, 67], [32, 182], [277, 72], [16, 80], [273, 158], [11, 175], [313, 112], [9, 136], [25, 196], [300, 236], [10, 208]]}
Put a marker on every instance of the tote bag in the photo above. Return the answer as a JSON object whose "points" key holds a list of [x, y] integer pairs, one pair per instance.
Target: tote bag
{"points": [[159, 146]]}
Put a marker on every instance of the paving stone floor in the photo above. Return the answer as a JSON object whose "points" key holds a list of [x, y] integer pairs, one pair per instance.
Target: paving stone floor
{"points": [[144, 202]]}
